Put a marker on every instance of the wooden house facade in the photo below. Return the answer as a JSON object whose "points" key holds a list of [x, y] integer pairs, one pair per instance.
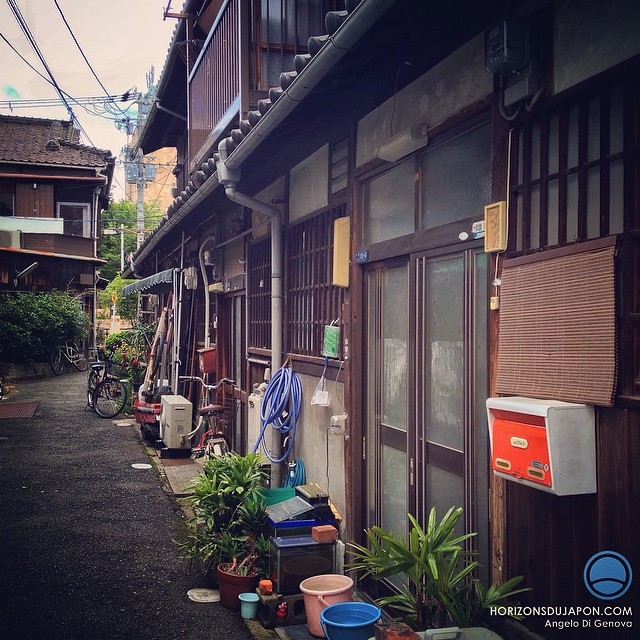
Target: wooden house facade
{"points": [[52, 193], [455, 190]]}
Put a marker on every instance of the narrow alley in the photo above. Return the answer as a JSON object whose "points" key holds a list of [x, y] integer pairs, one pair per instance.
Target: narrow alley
{"points": [[87, 538]]}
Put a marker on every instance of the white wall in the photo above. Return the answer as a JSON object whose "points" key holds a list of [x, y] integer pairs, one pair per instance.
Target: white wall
{"points": [[312, 438], [591, 36], [32, 225], [309, 184], [446, 89]]}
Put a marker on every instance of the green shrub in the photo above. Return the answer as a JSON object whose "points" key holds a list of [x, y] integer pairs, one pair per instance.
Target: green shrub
{"points": [[31, 325]]}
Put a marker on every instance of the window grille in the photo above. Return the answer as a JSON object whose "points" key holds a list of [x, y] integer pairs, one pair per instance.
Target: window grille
{"points": [[574, 177], [567, 173], [311, 300], [259, 294]]}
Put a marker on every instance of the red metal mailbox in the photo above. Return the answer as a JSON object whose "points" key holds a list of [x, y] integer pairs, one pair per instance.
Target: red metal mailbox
{"points": [[545, 444]]}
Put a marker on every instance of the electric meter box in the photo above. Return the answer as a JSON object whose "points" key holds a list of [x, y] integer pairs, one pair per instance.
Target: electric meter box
{"points": [[544, 444], [175, 421]]}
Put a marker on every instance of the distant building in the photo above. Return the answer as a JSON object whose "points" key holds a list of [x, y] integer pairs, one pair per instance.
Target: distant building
{"points": [[53, 191]]}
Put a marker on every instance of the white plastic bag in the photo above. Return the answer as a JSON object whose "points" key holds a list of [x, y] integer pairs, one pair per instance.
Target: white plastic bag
{"points": [[321, 395]]}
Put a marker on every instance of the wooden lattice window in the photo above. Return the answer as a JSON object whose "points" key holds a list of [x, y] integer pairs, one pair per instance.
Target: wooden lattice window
{"points": [[312, 301], [567, 173], [259, 294], [575, 176]]}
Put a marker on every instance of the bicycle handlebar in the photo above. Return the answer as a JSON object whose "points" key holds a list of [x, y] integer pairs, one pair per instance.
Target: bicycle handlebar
{"points": [[209, 387]]}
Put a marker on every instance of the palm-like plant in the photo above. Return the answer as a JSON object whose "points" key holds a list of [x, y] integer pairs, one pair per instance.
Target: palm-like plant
{"points": [[228, 512], [437, 583]]}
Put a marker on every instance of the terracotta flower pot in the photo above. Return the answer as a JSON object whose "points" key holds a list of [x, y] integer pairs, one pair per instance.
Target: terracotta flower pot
{"points": [[231, 586]]}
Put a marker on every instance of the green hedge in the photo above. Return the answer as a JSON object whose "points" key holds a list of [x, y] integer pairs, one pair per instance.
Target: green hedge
{"points": [[32, 324]]}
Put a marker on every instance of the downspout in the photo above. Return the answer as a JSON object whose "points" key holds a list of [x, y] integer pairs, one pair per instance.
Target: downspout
{"points": [[96, 233], [229, 179], [178, 320], [205, 280]]}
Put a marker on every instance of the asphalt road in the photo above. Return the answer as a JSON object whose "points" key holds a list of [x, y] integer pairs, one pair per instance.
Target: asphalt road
{"points": [[86, 540]]}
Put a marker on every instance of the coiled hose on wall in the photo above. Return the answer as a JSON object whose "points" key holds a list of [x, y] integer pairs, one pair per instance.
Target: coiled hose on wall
{"points": [[280, 408]]}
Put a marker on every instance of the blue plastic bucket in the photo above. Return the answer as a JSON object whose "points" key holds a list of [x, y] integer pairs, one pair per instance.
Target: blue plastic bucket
{"points": [[349, 620]]}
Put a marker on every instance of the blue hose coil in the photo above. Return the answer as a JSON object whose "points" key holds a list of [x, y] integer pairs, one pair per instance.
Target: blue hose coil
{"points": [[280, 408]]}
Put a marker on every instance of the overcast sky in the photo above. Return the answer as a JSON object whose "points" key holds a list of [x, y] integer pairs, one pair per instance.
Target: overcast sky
{"points": [[121, 39]]}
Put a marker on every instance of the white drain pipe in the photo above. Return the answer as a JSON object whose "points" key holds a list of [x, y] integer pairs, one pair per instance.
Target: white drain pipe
{"points": [[229, 179]]}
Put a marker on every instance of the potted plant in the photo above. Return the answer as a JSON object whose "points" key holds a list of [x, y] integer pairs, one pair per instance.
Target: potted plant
{"points": [[130, 349], [241, 573], [435, 571], [224, 534]]}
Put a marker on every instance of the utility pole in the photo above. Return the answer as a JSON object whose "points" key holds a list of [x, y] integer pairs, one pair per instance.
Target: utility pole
{"points": [[140, 171], [140, 184], [121, 248]]}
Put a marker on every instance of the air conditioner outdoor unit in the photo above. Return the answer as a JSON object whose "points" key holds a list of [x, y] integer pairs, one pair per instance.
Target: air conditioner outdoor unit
{"points": [[12, 239], [175, 422]]}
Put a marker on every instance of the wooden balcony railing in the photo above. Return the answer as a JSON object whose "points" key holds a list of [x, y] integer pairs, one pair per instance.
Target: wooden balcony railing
{"points": [[275, 31], [214, 83]]}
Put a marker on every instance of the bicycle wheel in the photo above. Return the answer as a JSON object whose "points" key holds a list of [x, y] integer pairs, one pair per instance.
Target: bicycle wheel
{"points": [[57, 365], [109, 398], [80, 362], [92, 383]]}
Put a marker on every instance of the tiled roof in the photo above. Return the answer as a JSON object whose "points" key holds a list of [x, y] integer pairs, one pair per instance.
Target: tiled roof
{"points": [[333, 21], [41, 141]]}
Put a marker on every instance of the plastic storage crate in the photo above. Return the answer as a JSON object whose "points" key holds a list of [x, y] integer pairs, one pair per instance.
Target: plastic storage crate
{"points": [[295, 558]]}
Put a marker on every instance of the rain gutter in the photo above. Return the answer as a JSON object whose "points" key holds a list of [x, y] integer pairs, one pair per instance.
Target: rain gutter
{"points": [[336, 47]]}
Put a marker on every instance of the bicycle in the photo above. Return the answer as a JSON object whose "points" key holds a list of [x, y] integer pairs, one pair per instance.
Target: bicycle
{"points": [[217, 416], [98, 369], [107, 394], [68, 351]]}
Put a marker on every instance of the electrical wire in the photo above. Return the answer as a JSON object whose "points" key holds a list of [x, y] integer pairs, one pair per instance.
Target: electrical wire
{"points": [[280, 408], [29, 36], [95, 75]]}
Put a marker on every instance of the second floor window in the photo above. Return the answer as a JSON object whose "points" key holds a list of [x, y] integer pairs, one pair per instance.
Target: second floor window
{"points": [[77, 218]]}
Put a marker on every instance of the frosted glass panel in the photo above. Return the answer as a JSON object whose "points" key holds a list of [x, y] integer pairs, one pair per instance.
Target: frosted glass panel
{"points": [[445, 490], [593, 150], [445, 338], [535, 152], [553, 145], [394, 490], [394, 327], [593, 203], [552, 213], [389, 204], [371, 396], [572, 208], [534, 227], [572, 160], [616, 221], [519, 221], [456, 180]]}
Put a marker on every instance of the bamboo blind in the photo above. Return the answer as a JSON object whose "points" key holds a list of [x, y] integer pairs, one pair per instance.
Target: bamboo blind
{"points": [[557, 337]]}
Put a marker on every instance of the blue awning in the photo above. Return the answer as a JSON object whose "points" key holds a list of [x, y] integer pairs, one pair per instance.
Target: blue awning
{"points": [[157, 283]]}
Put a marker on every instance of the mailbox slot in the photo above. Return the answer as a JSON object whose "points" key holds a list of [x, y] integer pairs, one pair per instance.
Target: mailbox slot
{"points": [[544, 444]]}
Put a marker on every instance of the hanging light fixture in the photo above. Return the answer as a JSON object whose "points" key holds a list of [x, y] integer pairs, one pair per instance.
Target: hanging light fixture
{"points": [[402, 144]]}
